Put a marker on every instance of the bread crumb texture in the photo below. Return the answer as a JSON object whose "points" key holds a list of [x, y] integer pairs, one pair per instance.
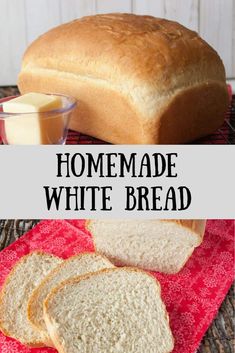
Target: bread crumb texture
{"points": [[22, 280], [114, 310]]}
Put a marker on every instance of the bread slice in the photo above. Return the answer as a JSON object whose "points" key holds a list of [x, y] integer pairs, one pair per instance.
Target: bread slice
{"points": [[23, 278], [73, 267], [158, 245], [115, 310]]}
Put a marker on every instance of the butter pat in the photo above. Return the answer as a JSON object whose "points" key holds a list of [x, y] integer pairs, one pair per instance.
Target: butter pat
{"points": [[32, 103], [34, 128]]}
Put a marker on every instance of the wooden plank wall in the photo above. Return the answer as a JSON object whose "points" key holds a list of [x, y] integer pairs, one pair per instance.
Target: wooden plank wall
{"points": [[21, 21]]}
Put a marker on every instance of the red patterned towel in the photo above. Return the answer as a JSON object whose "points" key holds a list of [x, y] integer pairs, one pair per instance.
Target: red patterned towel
{"points": [[192, 297]]}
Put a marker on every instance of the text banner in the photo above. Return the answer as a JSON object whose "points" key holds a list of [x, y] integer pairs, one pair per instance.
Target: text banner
{"points": [[183, 181]]}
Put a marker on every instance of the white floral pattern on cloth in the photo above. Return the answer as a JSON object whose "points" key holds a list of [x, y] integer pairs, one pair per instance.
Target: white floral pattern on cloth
{"points": [[192, 297]]}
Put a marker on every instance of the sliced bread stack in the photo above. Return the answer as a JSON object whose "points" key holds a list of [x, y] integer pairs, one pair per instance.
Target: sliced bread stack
{"points": [[35, 272], [75, 266], [25, 276], [83, 304]]}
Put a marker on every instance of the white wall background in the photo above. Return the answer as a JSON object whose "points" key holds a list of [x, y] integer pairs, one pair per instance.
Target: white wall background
{"points": [[21, 21]]}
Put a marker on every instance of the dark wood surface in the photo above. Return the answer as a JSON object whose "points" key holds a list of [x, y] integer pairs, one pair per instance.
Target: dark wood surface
{"points": [[219, 337]]}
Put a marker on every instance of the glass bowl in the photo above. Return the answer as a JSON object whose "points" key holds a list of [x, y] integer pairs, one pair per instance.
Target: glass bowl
{"points": [[43, 128]]}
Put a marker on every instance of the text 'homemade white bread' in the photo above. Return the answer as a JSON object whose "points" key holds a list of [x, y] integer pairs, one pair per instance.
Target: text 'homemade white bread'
{"points": [[23, 278], [73, 267], [110, 311], [138, 79], [158, 245]]}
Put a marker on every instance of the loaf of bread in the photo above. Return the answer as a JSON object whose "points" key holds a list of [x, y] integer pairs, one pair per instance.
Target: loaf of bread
{"points": [[158, 245], [74, 266], [113, 310], [138, 79], [22, 280]]}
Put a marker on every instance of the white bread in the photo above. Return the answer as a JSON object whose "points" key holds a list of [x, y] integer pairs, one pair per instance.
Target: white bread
{"points": [[73, 267], [23, 278], [110, 311], [158, 245], [138, 79]]}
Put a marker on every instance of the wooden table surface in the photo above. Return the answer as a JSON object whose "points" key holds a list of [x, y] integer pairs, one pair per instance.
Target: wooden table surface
{"points": [[219, 337]]}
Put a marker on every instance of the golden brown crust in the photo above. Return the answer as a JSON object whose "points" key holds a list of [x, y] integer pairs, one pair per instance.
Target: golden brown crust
{"points": [[113, 46], [139, 79], [104, 113], [34, 344], [101, 112], [190, 114]]}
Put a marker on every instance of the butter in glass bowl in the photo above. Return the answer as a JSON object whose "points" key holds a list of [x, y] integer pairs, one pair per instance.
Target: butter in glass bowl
{"points": [[36, 118]]}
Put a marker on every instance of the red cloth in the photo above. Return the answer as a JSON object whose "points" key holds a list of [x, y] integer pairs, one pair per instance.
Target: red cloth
{"points": [[192, 297]]}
